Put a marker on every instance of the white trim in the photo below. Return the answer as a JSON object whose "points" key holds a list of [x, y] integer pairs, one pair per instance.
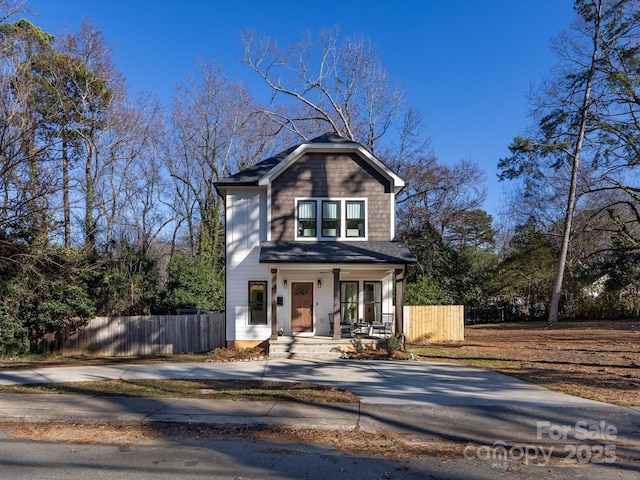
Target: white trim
{"points": [[343, 219], [282, 165], [397, 182], [392, 222], [268, 208]]}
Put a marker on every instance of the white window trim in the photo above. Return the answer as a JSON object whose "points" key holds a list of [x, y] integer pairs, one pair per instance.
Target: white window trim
{"points": [[343, 219]]}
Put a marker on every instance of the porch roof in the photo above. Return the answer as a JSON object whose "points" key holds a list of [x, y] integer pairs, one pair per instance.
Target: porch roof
{"points": [[378, 252]]}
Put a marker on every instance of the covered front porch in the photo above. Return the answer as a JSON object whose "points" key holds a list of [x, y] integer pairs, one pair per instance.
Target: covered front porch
{"points": [[311, 300], [336, 290]]}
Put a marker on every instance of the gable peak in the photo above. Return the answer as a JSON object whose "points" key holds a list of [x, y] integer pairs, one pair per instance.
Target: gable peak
{"points": [[331, 137]]}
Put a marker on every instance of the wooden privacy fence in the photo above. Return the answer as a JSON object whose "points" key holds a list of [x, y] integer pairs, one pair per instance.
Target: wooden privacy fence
{"points": [[435, 323], [142, 335]]}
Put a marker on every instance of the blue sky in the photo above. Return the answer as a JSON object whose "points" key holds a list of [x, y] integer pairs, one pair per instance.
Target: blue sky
{"points": [[467, 65]]}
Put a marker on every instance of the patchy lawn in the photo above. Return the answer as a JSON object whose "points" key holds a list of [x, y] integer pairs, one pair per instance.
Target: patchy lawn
{"points": [[595, 360], [51, 360], [213, 389], [43, 361]]}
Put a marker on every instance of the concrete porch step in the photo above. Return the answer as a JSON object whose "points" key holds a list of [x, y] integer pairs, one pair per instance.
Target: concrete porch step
{"points": [[309, 347], [305, 355], [302, 347]]}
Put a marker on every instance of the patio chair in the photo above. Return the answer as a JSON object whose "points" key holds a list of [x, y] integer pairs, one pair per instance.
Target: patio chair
{"points": [[384, 329], [345, 328]]}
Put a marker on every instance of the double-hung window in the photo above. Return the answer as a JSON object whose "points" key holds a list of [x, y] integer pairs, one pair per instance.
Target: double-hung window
{"points": [[355, 218], [331, 218], [307, 218]]}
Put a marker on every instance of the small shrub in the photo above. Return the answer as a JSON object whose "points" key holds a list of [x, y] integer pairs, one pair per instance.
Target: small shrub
{"points": [[394, 343], [356, 343], [13, 336]]}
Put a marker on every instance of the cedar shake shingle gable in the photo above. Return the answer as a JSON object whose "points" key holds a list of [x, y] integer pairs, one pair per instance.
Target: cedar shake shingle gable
{"points": [[253, 175]]}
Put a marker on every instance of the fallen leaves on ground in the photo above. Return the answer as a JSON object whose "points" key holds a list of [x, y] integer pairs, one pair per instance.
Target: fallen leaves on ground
{"points": [[595, 360]]}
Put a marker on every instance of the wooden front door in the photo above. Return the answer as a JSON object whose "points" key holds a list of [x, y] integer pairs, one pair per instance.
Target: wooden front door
{"points": [[302, 307]]}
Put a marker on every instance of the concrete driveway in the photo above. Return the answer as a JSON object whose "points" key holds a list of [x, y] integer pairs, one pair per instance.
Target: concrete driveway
{"points": [[376, 382]]}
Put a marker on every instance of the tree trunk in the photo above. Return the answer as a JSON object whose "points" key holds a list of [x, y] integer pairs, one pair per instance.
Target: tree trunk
{"points": [[89, 228], [65, 191], [571, 201]]}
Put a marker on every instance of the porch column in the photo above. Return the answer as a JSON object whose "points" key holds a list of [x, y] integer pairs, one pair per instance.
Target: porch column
{"points": [[274, 304], [399, 301], [337, 331]]}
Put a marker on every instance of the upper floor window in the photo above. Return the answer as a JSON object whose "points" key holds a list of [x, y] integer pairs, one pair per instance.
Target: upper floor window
{"points": [[330, 218], [307, 218], [355, 218], [325, 218]]}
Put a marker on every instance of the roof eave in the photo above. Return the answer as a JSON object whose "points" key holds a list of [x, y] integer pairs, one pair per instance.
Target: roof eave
{"points": [[223, 187], [374, 253]]}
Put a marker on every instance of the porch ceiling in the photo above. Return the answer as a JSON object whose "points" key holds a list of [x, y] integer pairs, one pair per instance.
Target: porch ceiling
{"points": [[336, 252]]}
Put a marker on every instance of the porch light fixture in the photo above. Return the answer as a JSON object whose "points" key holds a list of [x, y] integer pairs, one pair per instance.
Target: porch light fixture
{"points": [[319, 283], [285, 283]]}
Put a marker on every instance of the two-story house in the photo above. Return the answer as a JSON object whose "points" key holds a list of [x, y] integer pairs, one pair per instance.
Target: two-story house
{"points": [[310, 242]]}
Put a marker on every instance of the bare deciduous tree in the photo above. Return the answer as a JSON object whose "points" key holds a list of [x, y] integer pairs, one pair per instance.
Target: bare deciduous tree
{"points": [[216, 132], [333, 85], [10, 8], [130, 192], [440, 193]]}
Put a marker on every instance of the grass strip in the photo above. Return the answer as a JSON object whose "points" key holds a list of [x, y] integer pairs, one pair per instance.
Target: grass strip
{"points": [[212, 389]]}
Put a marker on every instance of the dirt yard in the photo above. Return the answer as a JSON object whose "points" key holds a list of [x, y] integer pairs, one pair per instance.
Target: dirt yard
{"points": [[596, 360]]}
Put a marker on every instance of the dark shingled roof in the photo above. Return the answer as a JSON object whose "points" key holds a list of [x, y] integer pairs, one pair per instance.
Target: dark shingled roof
{"points": [[336, 252], [253, 174]]}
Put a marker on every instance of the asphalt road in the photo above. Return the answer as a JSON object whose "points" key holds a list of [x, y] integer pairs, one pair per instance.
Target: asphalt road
{"points": [[243, 460]]}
